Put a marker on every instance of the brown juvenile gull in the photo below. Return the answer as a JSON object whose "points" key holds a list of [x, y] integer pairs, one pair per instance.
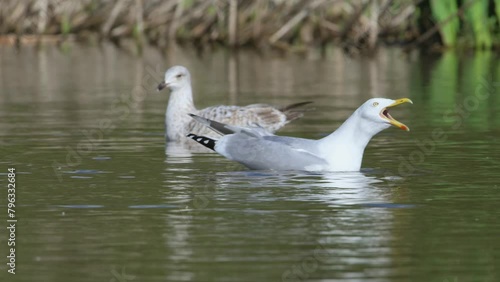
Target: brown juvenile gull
{"points": [[342, 150], [178, 123]]}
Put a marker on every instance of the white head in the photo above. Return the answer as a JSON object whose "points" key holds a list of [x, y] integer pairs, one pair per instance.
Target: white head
{"points": [[375, 114], [176, 78]]}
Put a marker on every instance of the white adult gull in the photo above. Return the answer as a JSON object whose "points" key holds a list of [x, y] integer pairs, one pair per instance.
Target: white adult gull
{"points": [[342, 150], [180, 104]]}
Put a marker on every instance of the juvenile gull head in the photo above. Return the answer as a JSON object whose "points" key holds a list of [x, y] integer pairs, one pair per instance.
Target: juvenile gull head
{"points": [[176, 77]]}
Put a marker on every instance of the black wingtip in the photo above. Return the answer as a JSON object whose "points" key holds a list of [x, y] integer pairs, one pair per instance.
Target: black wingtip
{"points": [[296, 105], [205, 141]]}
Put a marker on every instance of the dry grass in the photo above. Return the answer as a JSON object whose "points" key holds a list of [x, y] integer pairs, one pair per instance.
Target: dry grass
{"points": [[358, 24]]}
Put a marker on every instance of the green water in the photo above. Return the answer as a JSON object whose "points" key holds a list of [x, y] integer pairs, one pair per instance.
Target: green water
{"points": [[98, 198]]}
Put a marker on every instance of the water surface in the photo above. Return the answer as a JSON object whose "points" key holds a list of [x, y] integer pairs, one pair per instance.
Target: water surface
{"points": [[100, 200]]}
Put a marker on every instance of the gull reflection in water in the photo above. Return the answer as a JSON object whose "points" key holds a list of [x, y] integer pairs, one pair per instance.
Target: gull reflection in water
{"points": [[176, 153], [351, 188], [344, 188], [182, 152]]}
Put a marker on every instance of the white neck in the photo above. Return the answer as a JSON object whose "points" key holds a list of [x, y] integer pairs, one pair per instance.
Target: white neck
{"points": [[344, 148], [180, 104]]}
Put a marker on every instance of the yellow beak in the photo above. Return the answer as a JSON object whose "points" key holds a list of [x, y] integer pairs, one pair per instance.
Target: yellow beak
{"points": [[385, 113]]}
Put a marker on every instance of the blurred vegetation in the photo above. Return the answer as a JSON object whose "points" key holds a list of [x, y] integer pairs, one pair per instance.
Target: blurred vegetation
{"points": [[441, 10], [477, 17], [288, 24]]}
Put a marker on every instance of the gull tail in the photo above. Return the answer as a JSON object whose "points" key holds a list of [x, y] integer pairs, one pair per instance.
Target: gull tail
{"points": [[205, 141], [291, 112]]}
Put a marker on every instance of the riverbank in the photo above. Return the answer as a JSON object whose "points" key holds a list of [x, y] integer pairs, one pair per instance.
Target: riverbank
{"points": [[356, 25]]}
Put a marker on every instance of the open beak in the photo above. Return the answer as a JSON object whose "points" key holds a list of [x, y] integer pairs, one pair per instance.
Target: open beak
{"points": [[385, 113], [161, 86]]}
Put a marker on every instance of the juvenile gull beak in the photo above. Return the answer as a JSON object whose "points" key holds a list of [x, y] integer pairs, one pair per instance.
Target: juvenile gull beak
{"points": [[161, 86]]}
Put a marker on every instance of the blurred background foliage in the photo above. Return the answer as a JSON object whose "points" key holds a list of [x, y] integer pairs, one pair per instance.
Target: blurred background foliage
{"points": [[357, 25]]}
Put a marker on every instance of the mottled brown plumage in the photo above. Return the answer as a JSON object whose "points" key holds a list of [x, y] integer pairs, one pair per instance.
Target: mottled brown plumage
{"points": [[179, 124]]}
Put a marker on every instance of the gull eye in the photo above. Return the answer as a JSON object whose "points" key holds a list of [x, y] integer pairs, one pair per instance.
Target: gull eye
{"points": [[179, 75], [375, 104]]}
